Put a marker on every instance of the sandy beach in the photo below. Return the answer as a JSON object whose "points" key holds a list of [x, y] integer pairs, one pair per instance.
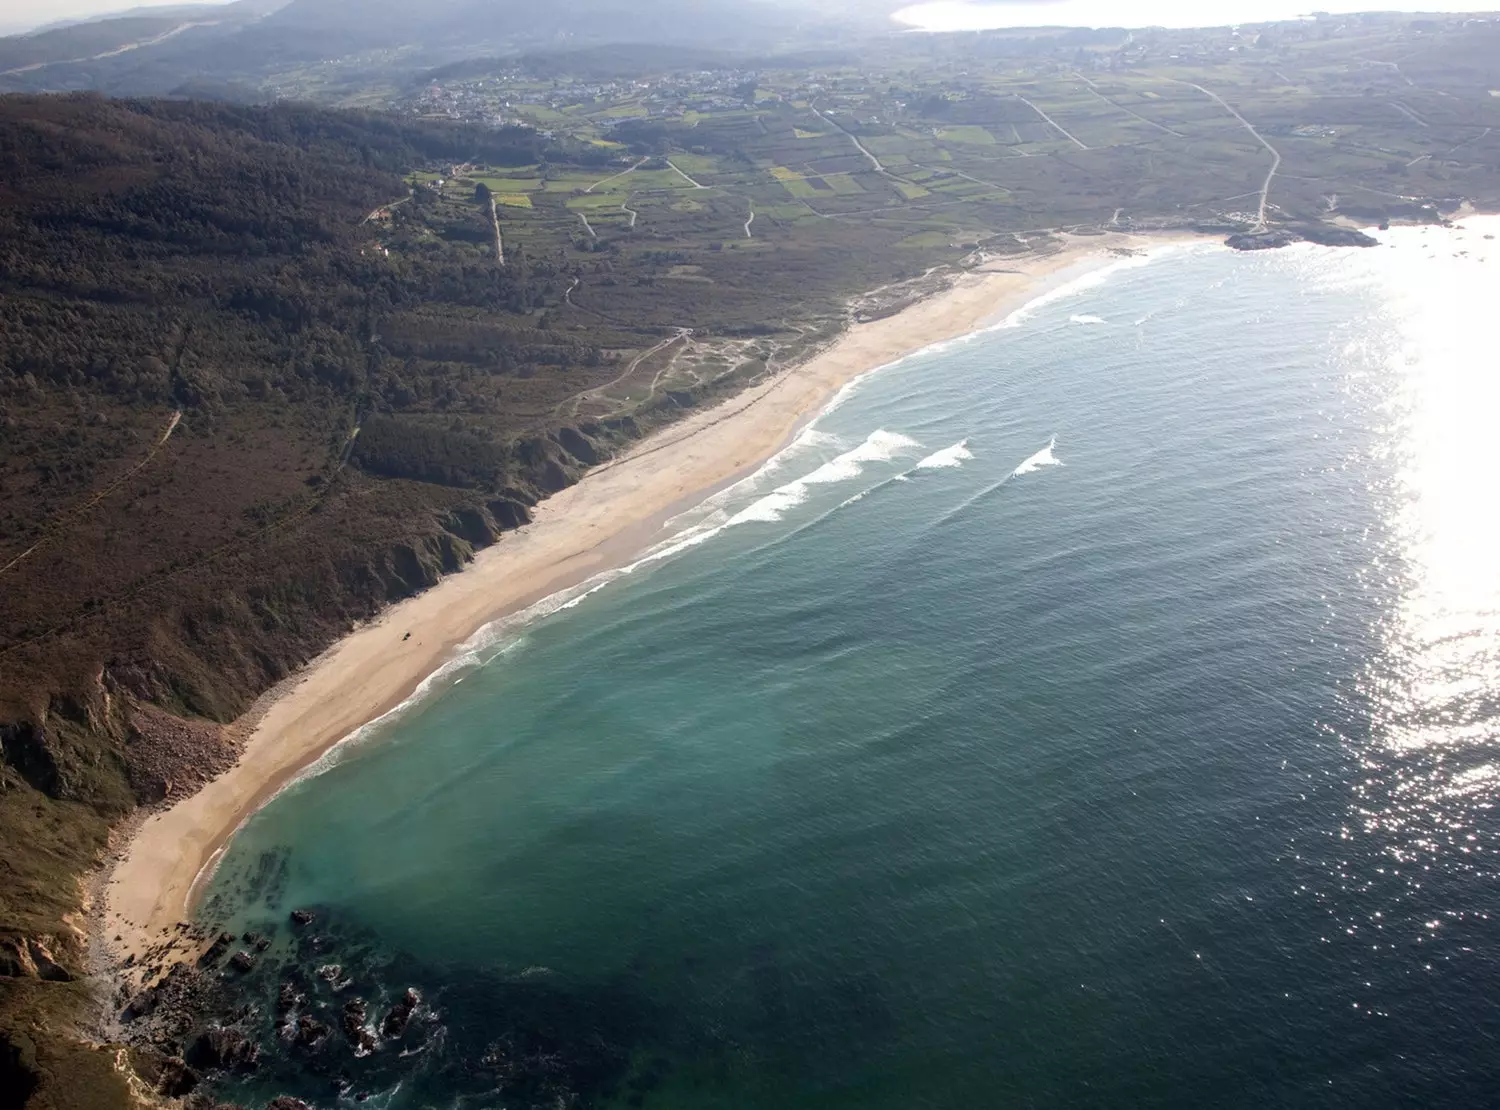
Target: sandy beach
{"points": [[613, 514]]}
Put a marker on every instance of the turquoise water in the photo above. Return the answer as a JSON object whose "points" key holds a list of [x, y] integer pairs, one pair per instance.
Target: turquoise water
{"points": [[1100, 710]]}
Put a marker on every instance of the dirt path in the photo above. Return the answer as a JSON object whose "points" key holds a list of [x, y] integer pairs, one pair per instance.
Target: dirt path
{"points": [[1129, 112], [499, 240], [1409, 114], [748, 222], [375, 213], [1265, 190], [1052, 122], [631, 212], [875, 163], [587, 226], [572, 403], [54, 528], [684, 176], [611, 177]]}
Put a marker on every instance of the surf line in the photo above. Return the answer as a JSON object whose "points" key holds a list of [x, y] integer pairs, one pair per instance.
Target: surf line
{"points": [[1045, 457]]}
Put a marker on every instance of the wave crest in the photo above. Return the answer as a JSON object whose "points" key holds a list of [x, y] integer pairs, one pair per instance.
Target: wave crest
{"points": [[1042, 458]]}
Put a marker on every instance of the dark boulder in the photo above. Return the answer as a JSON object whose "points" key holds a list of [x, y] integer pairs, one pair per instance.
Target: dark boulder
{"points": [[302, 917], [242, 961], [223, 1049], [174, 1078], [311, 1033], [1332, 235], [399, 1017], [1262, 240], [354, 1027], [216, 950], [287, 1102]]}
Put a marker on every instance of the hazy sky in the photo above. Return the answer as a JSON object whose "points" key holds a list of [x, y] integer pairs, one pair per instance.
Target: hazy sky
{"points": [[960, 15], [19, 15]]}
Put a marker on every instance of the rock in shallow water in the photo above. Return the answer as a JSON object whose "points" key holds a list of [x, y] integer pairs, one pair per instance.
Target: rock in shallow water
{"points": [[400, 1014]]}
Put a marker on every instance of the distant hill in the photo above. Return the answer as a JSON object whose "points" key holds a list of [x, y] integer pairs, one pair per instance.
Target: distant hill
{"points": [[251, 43]]}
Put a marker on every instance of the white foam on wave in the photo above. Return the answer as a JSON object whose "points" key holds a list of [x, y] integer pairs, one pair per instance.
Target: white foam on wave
{"points": [[879, 446], [1085, 318], [956, 455], [710, 511], [1087, 281], [1042, 458]]}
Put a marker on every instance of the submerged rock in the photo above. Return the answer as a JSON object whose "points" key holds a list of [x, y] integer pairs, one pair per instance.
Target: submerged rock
{"points": [[216, 950], [302, 917], [242, 961], [287, 1102]]}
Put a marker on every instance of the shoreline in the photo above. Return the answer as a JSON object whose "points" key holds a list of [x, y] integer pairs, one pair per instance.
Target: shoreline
{"points": [[604, 521]]}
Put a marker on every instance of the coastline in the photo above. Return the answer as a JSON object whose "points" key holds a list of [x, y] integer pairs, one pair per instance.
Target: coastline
{"points": [[610, 517]]}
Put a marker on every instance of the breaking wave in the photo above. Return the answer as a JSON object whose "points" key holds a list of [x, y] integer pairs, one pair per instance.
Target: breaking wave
{"points": [[879, 446], [1042, 458], [1084, 318], [956, 455]]}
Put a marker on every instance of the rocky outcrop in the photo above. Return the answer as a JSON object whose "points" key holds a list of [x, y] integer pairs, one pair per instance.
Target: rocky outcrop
{"points": [[169, 757], [354, 1027], [220, 1049], [311, 1033], [215, 951], [1262, 240], [1326, 235], [23, 744], [399, 1017], [31, 958], [287, 1102], [1332, 235]]}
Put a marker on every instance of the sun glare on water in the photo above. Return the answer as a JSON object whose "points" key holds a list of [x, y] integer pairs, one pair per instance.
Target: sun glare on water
{"points": [[1433, 690]]}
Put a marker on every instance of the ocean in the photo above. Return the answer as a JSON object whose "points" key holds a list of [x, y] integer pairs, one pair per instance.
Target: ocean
{"points": [[1098, 710]]}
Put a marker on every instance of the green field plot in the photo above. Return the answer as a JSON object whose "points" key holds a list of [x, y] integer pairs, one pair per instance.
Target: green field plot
{"points": [[509, 184], [801, 134], [591, 202], [911, 191], [843, 184], [967, 133], [513, 200], [695, 164], [623, 111], [926, 240], [794, 182]]}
